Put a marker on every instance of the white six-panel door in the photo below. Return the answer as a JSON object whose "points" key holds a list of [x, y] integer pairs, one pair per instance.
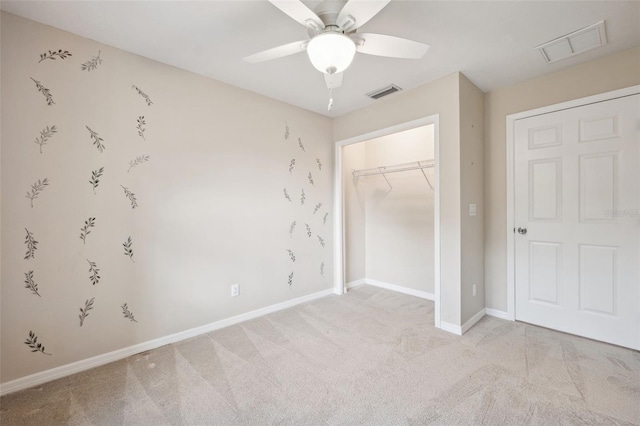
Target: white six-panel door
{"points": [[577, 192]]}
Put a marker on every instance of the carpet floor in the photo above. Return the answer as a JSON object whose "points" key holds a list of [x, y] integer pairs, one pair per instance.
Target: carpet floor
{"points": [[371, 357]]}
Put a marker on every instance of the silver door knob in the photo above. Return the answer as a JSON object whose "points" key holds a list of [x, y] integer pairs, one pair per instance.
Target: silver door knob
{"points": [[522, 231]]}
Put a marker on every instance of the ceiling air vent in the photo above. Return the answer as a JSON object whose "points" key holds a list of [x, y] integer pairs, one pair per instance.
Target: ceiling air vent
{"points": [[574, 43], [377, 94]]}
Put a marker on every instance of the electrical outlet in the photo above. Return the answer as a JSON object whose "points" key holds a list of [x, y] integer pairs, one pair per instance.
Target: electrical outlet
{"points": [[235, 290], [475, 289]]}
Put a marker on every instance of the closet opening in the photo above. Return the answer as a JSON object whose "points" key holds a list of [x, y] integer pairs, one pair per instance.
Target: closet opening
{"points": [[387, 211]]}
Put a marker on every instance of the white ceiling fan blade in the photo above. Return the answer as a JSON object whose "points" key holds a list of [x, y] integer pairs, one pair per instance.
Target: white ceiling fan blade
{"points": [[392, 47], [333, 80], [297, 11], [359, 11], [278, 52]]}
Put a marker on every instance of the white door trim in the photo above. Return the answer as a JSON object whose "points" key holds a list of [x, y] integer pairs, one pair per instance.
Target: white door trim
{"points": [[511, 119], [338, 208]]}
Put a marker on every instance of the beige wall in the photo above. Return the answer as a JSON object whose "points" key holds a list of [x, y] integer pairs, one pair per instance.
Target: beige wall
{"points": [[355, 244], [603, 75], [211, 206], [472, 170]]}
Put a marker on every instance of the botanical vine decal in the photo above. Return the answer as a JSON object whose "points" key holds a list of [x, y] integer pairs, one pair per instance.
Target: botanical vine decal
{"points": [[138, 160], [45, 135], [324, 218], [291, 228], [290, 281], [95, 178], [32, 245], [302, 198], [84, 312], [97, 140], [52, 55], [32, 342], [36, 189], [30, 283], [291, 255], [321, 240], [286, 195], [127, 313], [308, 230], [45, 92], [144, 95], [93, 268], [317, 207], [140, 126], [91, 64], [322, 269], [128, 251], [286, 131], [292, 164], [86, 229], [319, 163], [301, 145], [131, 196], [310, 177]]}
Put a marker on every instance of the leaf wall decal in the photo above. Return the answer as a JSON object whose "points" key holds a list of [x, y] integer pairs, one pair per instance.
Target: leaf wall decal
{"points": [[128, 251], [30, 283], [32, 245], [97, 140], [127, 313], [32, 342], [36, 189], [95, 178], [52, 55], [91, 64], [84, 312], [45, 135], [45, 92], [86, 229]]}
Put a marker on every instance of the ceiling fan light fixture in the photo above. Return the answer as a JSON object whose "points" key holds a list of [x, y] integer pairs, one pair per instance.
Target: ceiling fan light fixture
{"points": [[331, 52]]}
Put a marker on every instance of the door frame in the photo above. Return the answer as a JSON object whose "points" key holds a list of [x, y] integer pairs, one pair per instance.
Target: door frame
{"points": [[338, 207], [511, 120]]}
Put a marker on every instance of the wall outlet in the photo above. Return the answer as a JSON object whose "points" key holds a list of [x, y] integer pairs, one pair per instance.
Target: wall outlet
{"points": [[475, 289], [235, 290]]}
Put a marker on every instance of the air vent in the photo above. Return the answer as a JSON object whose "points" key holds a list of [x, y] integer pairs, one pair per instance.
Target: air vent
{"points": [[574, 43], [377, 94]]}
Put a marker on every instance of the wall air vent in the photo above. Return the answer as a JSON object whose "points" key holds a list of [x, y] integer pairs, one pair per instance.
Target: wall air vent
{"points": [[574, 43], [377, 94]]}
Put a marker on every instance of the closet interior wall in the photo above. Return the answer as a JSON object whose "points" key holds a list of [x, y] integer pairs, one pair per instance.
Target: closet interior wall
{"points": [[389, 226]]}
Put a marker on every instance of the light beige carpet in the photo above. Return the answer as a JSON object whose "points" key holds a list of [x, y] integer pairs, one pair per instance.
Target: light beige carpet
{"points": [[370, 357]]}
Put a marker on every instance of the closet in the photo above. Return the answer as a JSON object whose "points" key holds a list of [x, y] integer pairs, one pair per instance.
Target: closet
{"points": [[388, 188]]}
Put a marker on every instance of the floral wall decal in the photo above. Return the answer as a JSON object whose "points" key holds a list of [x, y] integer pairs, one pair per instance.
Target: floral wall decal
{"points": [[138, 160], [32, 245], [36, 189], [310, 177], [291, 255], [286, 195], [144, 95], [128, 251], [292, 164], [321, 240], [317, 207], [302, 198], [290, 280], [30, 283], [91, 64], [84, 312], [319, 163], [32, 342], [301, 145], [52, 55], [45, 135], [86, 229], [131, 196], [308, 230], [140, 126], [45, 92], [291, 228], [95, 178], [286, 131], [93, 268], [324, 218], [127, 313], [97, 140]]}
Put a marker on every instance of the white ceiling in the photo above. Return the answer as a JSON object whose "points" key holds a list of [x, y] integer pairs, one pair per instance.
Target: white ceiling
{"points": [[491, 42]]}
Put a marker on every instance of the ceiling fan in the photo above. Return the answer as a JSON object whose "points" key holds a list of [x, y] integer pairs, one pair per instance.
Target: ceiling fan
{"points": [[333, 40]]}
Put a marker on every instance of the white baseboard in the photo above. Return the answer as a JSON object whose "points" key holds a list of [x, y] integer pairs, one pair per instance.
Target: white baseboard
{"points": [[96, 361], [355, 283], [460, 330], [498, 314], [400, 289]]}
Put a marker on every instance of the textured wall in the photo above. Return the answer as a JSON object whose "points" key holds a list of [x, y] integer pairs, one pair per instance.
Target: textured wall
{"points": [[134, 194]]}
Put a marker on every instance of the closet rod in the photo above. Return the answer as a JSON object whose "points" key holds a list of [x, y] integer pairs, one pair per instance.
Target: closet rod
{"points": [[414, 165]]}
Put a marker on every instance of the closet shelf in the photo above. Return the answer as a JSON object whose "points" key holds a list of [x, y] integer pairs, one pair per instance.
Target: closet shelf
{"points": [[404, 167]]}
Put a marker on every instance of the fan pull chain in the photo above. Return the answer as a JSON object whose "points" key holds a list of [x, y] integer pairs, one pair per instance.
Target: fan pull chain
{"points": [[330, 100]]}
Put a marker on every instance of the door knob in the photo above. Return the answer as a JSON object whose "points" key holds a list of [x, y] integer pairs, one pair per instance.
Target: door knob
{"points": [[522, 231]]}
